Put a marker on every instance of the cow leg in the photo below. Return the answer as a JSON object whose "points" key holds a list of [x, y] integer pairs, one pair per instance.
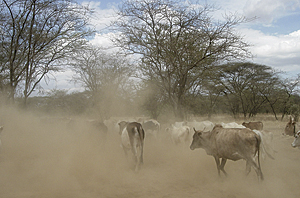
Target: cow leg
{"points": [[248, 167], [141, 154], [220, 167], [218, 164], [137, 150], [133, 143], [256, 168], [223, 162], [134, 149], [138, 161], [259, 172]]}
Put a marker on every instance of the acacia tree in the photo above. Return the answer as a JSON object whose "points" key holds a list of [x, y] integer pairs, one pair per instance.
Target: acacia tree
{"points": [[271, 89], [246, 86], [104, 75], [39, 35], [289, 87], [177, 42]]}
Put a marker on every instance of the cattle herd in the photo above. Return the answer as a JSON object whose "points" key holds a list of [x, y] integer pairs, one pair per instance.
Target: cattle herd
{"points": [[223, 142]]}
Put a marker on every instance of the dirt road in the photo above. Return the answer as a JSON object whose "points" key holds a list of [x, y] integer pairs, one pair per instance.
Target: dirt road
{"points": [[49, 159]]}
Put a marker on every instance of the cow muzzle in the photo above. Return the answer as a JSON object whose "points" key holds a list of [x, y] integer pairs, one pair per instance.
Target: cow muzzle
{"points": [[192, 147]]}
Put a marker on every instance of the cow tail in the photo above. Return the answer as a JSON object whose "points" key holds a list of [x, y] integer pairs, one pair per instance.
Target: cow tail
{"points": [[141, 134], [258, 140], [142, 137]]}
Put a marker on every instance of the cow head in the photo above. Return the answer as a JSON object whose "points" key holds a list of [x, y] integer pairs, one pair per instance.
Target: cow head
{"points": [[245, 124], [296, 142], [198, 139], [290, 127], [122, 125]]}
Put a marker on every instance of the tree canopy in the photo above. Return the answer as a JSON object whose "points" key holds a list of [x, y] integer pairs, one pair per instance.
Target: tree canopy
{"points": [[177, 42], [39, 35]]}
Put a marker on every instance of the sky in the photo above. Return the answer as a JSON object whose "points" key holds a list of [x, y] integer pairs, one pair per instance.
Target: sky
{"points": [[274, 35]]}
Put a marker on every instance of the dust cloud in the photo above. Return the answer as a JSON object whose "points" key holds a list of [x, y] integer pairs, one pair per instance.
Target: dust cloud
{"points": [[43, 157]]}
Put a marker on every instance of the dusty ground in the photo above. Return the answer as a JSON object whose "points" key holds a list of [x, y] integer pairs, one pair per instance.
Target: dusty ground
{"points": [[47, 159]]}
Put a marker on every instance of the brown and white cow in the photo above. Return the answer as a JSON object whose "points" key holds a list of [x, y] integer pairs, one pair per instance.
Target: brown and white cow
{"points": [[266, 138], [230, 143], [290, 127], [132, 138], [296, 142], [254, 125]]}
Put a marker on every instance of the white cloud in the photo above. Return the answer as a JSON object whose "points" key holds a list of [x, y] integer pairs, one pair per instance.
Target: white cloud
{"points": [[282, 52], [269, 10], [101, 17], [262, 9], [279, 51], [103, 39], [60, 81]]}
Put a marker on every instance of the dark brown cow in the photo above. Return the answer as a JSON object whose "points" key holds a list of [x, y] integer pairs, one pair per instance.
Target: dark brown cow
{"points": [[254, 125], [132, 137], [290, 128], [230, 143]]}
